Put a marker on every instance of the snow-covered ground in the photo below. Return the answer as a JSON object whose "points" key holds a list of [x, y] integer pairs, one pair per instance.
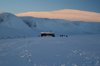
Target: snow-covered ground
{"points": [[80, 48], [74, 50]]}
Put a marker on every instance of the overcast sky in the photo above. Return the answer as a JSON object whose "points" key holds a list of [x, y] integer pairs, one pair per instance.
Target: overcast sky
{"points": [[21, 6]]}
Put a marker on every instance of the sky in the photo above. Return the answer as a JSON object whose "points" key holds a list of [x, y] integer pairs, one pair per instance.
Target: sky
{"points": [[21, 6]]}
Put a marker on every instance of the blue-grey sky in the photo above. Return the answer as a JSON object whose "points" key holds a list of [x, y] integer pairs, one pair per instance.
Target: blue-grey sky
{"points": [[21, 6]]}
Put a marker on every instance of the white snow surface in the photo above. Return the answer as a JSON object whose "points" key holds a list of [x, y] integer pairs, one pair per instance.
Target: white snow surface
{"points": [[75, 50], [80, 48]]}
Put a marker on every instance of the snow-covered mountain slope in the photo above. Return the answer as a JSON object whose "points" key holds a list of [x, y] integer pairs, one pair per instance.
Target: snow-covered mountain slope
{"points": [[12, 26], [62, 26], [67, 14]]}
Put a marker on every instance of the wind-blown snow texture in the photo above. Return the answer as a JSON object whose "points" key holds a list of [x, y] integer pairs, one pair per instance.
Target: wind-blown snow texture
{"points": [[75, 50]]}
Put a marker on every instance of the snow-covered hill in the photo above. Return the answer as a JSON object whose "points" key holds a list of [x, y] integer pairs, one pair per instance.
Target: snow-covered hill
{"points": [[12, 26], [62, 26]]}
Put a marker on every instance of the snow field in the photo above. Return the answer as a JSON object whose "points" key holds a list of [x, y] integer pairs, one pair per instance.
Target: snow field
{"points": [[74, 50], [80, 48]]}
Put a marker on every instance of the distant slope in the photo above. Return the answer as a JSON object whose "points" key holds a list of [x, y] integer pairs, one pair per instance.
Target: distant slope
{"points": [[67, 14], [62, 26]]}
